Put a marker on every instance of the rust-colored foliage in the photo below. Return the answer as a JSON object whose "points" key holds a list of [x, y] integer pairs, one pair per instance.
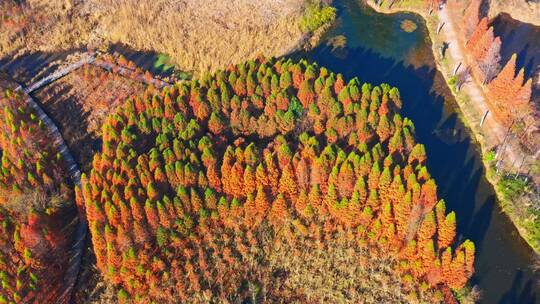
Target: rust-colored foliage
{"points": [[208, 190], [33, 235], [471, 18], [509, 96]]}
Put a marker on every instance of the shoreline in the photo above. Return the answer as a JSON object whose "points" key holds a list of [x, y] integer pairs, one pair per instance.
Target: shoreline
{"points": [[468, 119]]}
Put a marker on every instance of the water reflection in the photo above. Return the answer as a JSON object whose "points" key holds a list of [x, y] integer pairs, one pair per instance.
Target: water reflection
{"points": [[378, 51]]}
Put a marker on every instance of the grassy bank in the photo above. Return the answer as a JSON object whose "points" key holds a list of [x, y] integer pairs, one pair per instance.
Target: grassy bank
{"points": [[511, 190]]}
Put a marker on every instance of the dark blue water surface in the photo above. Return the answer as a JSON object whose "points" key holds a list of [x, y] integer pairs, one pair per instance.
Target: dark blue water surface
{"points": [[378, 51]]}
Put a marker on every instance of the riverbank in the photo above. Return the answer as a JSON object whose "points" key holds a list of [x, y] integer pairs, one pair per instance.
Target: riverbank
{"points": [[471, 108]]}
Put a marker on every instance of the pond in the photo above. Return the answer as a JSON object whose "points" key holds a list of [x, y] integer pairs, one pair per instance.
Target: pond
{"points": [[376, 48]]}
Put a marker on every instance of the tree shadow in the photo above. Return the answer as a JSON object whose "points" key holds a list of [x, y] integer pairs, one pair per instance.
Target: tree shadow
{"points": [[517, 37], [521, 291], [25, 68], [482, 220], [522, 39], [64, 109], [143, 59]]}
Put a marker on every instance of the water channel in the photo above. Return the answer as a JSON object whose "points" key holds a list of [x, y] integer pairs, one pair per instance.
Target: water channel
{"points": [[375, 48]]}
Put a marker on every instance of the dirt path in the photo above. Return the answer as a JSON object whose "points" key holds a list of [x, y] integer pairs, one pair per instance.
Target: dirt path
{"points": [[492, 134], [78, 246], [88, 58], [129, 73], [493, 131]]}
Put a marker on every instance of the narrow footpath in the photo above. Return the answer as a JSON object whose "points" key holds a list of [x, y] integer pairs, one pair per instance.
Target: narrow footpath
{"points": [[77, 248]]}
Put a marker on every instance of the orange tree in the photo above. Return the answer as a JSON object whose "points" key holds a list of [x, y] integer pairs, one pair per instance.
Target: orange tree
{"points": [[36, 206], [192, 204]]}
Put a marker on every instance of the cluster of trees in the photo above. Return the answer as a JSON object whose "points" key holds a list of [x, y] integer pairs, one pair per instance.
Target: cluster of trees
{"points": [[195, 181], [509, 95], [33, 212], [29, 159]]}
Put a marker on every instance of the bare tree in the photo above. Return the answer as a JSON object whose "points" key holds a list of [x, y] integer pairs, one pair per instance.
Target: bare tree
{"points": [[490, 65]]}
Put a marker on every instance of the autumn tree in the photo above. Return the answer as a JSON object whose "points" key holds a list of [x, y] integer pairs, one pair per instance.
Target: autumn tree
{"points": [[194, 182]]}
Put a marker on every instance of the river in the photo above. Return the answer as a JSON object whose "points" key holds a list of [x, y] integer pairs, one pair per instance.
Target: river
{"points": [[376, 49]]}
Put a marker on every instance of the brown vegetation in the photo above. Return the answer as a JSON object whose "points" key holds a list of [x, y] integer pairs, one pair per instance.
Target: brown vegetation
{"points": [[523, 10], [198, 186], [508, 92], [198, 35], [36, 205]]}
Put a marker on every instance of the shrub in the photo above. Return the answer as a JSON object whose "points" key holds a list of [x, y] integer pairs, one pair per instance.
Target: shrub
{"points": [[511, 187], [317, 15]]}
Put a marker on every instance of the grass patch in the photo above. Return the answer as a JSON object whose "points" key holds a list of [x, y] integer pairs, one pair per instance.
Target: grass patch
{"points": [[512, 187], [525, 212], [317, 15], [489, 157], [214, 33], [163, 63], [452, 83]]}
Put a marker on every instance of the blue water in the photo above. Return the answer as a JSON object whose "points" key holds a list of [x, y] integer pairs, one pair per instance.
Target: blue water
{"points": [[378, 51]]}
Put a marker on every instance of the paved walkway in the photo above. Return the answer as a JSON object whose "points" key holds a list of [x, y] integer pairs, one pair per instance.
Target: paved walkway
{"points": [[77, 248], [493, 130], [86, 58]]}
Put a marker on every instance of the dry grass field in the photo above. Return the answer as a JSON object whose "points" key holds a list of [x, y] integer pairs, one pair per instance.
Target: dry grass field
{"points": [[523, 10], [294, 268], [197, 34]]}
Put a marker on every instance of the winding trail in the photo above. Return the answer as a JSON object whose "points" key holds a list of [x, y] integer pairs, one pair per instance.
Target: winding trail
{"points": [[78, 245], [86, 58], [77, 248]]}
